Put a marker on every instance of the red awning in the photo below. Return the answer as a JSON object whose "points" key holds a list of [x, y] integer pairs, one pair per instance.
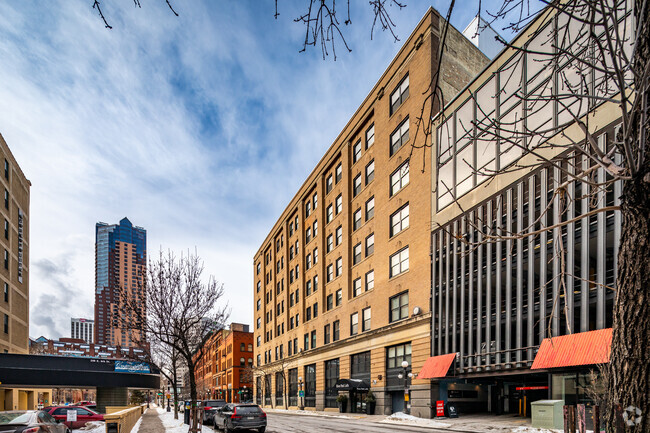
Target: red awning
{"points": [[584, 348], [436, 366]]}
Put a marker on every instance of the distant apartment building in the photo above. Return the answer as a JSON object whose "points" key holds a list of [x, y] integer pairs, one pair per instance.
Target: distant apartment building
{"points": [[120, 263], [79, 347], [14, 247], [82, 329], [225, 369], [342, 282]]}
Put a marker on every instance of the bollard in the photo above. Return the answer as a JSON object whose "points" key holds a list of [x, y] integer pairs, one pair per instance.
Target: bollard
{"points": [[596, 417]]}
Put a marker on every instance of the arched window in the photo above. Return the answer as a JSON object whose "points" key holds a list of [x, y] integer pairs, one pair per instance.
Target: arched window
{"points": [[242, 362]]}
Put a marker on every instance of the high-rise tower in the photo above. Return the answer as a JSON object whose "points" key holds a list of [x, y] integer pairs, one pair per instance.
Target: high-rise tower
{"points": [[120, 260]]}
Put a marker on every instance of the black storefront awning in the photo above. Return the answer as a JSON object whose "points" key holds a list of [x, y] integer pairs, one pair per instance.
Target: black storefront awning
{"points": [[352, 385]]}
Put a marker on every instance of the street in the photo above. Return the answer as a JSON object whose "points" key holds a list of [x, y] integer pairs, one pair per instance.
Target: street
{"points": [[281, 423]]}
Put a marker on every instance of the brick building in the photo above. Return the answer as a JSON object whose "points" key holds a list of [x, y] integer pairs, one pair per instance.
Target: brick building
{"points": [[224, 371], [342, 281]]}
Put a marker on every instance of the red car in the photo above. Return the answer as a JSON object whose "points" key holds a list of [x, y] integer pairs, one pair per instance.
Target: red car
{"points": [[84, 415]]}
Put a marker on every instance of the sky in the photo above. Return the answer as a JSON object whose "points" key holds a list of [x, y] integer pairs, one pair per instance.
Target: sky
{"points": [[199, 128]]}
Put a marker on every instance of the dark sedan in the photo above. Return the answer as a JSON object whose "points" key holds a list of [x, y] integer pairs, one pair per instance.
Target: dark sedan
{"points": [[233, 417], [30, 421], [210, 408]]}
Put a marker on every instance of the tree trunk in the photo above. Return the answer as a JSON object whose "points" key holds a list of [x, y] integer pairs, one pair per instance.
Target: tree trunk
{"points": [[628, 374], [190, 369], [175, 385]]}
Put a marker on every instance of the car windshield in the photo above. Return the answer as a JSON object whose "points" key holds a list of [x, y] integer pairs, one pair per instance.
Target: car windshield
{"points": [[213, 403], [248, 410], [15, 417]]}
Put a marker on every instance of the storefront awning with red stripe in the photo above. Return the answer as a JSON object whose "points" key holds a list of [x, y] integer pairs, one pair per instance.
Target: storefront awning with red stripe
{"points": [[584, 348], [436, 366]]}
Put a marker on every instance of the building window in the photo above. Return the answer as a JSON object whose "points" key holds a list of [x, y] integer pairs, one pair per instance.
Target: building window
{"points": [[259, 304], [307, 209], [370, 208], [315, 255], [315, 200], [370, 280], [331, 377], [370, 244], [399, 137], [315, 228], [6, 324], [6, 229], [6, 292], [399, 179], [356, 254], [370, 172], [356, 223], [330, 273], [259, 322], [399, 262], [328, 184], [315, 283], [399, 307], [339, 204], [330, 301], [370, 136], [354, 323], [326, 334], [313, 339], [308, 261], [242, 361], [259, 267], [6, 259], [399, 220], [356, 287], [339, 173], [6, 199], [356, 151], [356, 186], [339, 235], [308, 314], [6, 169], [399, 95], [365, 317], [339, 266], [339, 297], [336, 330], [330, 214], [308, 235], [308, 288], [315, 310], [330, 243], [395, 355], [306, 341]]}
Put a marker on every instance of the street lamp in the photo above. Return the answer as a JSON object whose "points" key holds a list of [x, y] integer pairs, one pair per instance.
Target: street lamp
{"points": [[301, 406], [406, 375], [244, 394]]}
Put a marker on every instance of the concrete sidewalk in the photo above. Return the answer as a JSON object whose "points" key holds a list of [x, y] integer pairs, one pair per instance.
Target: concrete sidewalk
{"points": [[465, 423], [151, 422]]}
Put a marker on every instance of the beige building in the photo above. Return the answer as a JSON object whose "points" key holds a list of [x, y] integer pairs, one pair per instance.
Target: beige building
{"points": [[14, 275], [342, 282]]}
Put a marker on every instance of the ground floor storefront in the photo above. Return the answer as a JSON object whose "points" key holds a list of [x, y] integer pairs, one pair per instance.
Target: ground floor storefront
{"points": [[24, 399]]}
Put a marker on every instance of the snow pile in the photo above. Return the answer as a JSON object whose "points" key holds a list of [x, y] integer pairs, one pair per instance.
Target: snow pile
{"points": [[534, 430], [92, 427], [402, 418], [176, 425]]}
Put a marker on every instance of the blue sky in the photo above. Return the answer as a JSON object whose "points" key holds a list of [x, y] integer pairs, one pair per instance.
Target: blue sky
{"points": [[199, 128]]}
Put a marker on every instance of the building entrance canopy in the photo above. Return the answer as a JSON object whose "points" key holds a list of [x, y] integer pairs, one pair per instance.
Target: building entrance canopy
{"points": [[584, 348], [436, 366], [352, 385]]}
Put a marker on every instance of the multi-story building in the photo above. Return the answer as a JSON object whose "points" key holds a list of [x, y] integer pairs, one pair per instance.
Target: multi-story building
{"points": [[14, 243], [225, 369], [120, 263], [79, 347], [503, 282], [342, 281], [82, 328]]}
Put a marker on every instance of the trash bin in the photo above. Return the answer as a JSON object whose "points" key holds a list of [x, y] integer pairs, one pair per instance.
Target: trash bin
{"points": [[547, 414]]}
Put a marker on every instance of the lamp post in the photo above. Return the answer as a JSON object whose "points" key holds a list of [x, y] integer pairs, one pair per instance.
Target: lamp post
{"points": [[406, 375], [301, 406], [244, 394]]}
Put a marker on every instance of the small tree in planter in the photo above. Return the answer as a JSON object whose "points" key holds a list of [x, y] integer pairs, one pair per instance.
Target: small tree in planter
{"points": [[342, 401], [371, 402]]}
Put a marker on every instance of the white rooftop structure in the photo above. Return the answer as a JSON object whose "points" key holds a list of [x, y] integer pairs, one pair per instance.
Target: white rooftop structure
{"points": [[483, 36]]}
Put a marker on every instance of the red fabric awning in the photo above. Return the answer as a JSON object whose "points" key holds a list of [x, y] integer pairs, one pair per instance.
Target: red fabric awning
{"points": [[436, 366], [584, 348]]}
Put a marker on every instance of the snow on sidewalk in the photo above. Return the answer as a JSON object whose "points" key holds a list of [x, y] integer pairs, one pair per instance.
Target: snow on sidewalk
{"points": [[402, 418]]}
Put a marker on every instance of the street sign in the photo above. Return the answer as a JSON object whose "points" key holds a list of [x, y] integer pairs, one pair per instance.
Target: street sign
{"points": [[71, 415], [301, 393]]}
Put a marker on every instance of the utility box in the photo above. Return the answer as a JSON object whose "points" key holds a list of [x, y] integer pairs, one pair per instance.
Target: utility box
{"points": [[547, 414]]}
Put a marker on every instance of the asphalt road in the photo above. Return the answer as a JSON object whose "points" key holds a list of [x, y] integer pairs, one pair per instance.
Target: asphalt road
{"points": [[280, 423]]}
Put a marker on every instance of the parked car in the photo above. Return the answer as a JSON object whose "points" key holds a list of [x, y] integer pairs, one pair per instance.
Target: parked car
{"points": [[30, 421], [209, 409], [84, 415], [240, 416]]}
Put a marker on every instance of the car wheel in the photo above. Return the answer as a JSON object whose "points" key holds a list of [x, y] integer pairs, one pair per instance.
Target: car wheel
{"points": [[261, 429], [226, 429]]}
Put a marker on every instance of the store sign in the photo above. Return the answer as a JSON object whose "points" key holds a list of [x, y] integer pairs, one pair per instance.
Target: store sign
{"points": [[531, 388], [440, 408], [132, 367]]}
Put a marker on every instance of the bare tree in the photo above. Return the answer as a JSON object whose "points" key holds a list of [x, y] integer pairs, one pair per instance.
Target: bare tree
{"points": [[180, 310], [278, 369]]}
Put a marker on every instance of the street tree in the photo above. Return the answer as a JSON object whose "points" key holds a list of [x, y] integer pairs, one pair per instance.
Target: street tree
{"points": [[179, 310], [278, 370]]}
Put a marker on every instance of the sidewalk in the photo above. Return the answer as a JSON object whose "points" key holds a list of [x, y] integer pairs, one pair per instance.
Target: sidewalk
{"points": [[465, 423]]}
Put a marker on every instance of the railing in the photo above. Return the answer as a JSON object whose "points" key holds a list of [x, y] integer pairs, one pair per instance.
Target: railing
{"points": [[122, 419]]}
